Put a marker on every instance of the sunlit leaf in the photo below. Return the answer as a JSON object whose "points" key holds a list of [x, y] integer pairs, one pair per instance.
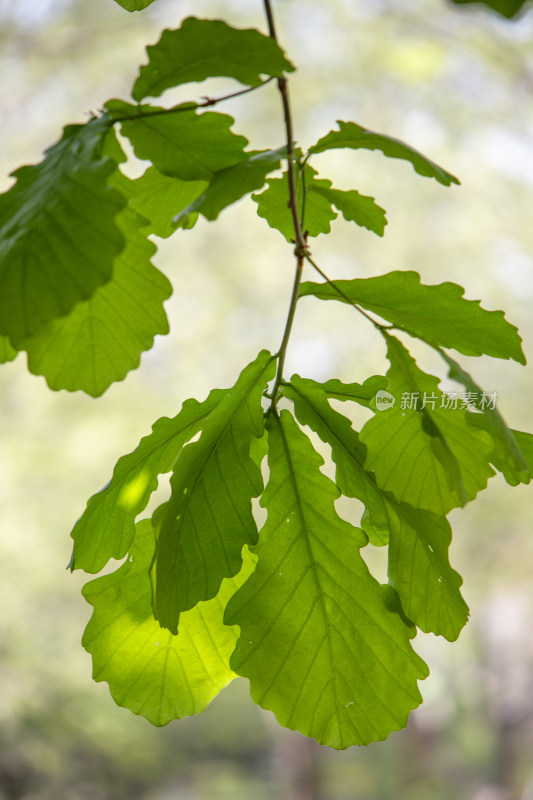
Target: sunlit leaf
{"points": [[58, 232], [322, 643], [355, 137], [439, 315], [201, 530], [150, 671], [422, 449], [180, 142], [360, 393], [205, 48], [510, 459], [159, 199], [106, 528], [102, 338], [418, 565]]}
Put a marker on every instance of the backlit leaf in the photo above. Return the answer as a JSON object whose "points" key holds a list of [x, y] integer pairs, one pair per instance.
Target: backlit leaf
{"points": [[322, 642], [102, 338], [58, 232], [159, 199], [353, 206], [180, 142], [106, 528], [7, 353], [510, 459], [201, 530], [360, 393], [134, 5], [439, 315], [205, 48], [418, 565], [355, 137], [422, 449], [150, 671]]}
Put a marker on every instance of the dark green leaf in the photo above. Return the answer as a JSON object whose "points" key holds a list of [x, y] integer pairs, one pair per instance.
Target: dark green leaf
{"points": [[418, 568], [439, 315], [507, 8], [230, 184], [422, 449], [322, 643], [58, 233], [202, 528], [205, 48], [150, 671], [102, 338], [159, 198], [354, 136], [179, 142], [508, 457], [106, 528]]}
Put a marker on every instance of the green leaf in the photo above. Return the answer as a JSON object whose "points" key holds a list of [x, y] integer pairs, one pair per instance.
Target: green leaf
{"points": [[102, 338], [159, 198], [323, 644], [439, 315], [315, 201], [202, 528], [206, 48], [179, 142], [360, 393], [230, 184], [418, 540], [134, 5], [106, 528], [353, 206], [507, 8], [525, 442], [150, 671], [7, 353], [507, 457], [58, 232], [355, 137], [422, 449], [273, 205]]}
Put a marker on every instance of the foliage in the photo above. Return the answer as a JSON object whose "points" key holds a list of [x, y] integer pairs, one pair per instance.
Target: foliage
{"points": [[202, 595]]}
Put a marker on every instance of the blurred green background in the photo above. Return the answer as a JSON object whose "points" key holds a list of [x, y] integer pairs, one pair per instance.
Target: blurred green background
{"points": [[457, 84]]}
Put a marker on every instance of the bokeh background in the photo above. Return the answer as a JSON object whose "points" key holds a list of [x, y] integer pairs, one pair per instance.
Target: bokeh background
{"points": [[458, 85]]}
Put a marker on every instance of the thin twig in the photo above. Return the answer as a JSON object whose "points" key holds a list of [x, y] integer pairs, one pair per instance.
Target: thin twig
{"points": [[208, 101]]}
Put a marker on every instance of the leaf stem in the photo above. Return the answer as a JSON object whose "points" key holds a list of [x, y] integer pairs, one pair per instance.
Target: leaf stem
{"points": [[300, 246]]}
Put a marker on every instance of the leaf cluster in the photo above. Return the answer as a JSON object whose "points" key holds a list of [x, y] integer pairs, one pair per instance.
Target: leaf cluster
{"points": [[202, 595]]}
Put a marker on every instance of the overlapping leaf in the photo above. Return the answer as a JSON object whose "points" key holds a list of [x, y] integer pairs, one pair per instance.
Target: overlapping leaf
{"points": [[102, 338], [58, 232], [179, 142], [316, 199], [159, 199], [355, 137], [205, 48], [418, 565], [201, 530], [423, 450], [439, 315], [321, 642], [507, 456], [106, 528], [360, 393], [150, 671], [230, 184]]}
